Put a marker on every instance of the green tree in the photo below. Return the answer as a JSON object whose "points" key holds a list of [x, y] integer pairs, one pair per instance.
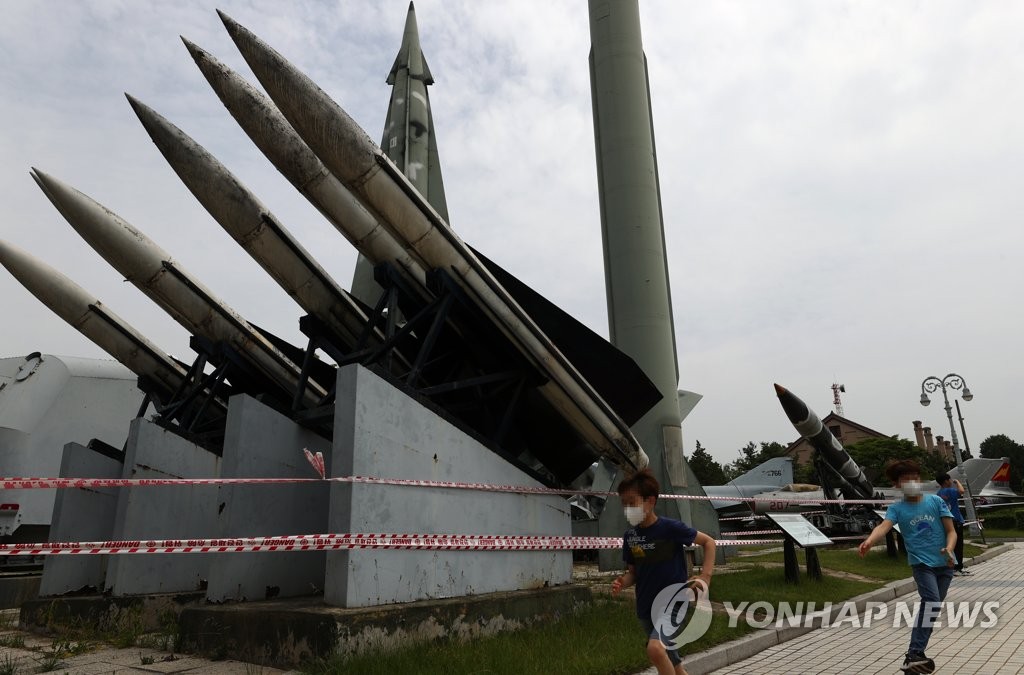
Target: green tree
{"points": [[873, 453], [1001, 445], [805, 473], [707, 470]]}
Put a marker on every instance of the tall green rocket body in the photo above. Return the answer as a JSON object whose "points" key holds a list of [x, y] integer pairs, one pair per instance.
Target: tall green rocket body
{"points": [[636, 269], [409, 140]]}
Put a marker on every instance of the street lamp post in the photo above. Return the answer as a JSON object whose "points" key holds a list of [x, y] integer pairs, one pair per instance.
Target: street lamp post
{"points": [[953, 381]]}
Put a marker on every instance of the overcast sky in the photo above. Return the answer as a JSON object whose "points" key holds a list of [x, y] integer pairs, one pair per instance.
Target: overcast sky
{"points": [[842, 181]]}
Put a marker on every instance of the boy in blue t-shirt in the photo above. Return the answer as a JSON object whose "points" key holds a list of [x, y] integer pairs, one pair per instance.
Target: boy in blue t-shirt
{"points": [[653, 550], [927, 528], [951, 490]]}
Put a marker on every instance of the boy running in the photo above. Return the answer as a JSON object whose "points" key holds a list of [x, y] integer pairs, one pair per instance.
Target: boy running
{"points": [[927, 528], [653, 550]]}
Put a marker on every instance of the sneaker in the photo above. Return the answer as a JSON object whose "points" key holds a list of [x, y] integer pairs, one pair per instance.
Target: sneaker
{"points": [[917, 663]]}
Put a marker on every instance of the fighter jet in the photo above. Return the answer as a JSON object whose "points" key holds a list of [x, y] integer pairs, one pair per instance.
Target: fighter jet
{"points": [[770, 475], [978, 473], [997, 492]]}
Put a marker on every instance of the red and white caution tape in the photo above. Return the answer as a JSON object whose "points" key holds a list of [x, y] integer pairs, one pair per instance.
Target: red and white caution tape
{"points": [[328, 542], [29, 483], [316, 461]]}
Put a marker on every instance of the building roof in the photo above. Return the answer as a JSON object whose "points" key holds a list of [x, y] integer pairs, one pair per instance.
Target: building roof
{"points": [[831, 420]]}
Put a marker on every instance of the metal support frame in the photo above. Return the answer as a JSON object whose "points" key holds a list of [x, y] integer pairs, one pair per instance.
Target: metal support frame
{"points": [[412, 341]]}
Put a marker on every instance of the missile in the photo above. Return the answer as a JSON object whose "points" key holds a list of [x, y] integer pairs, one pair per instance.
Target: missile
{"points": [[254, 227], [91, 318], [153, 272], [276, 138], [409, 139], [359, 164], [809, 425]]}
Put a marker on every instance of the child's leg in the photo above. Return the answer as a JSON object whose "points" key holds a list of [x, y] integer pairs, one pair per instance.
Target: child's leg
{"points": [[928, 589], [943, 578], [659, 657]]}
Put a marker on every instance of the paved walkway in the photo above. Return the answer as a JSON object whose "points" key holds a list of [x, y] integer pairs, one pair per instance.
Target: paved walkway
{"points": [[880, 648]]}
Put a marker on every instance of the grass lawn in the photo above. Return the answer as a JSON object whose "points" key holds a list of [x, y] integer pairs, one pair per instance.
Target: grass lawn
{"points": [[992, 532], [875, 565], [768, 583], [603, 638]]}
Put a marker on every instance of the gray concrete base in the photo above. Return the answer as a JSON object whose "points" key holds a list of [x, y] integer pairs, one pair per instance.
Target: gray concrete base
{"points": [[16, 589], [289, 633], [262, 443], [81, 514], [733, 652], [379, 431], [185, 512], [144, 613]]}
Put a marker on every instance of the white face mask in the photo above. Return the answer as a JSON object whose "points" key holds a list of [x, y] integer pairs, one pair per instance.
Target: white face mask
{"points": [[912, 488], [634, 514]]}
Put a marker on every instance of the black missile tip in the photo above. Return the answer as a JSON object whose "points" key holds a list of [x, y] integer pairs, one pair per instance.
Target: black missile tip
{"points": [[779, 390]]}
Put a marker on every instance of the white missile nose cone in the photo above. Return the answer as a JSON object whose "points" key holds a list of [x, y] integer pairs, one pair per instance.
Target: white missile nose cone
{"points": [[150, 118], [235, 29], [55, 190], [18, 261], [9, 256], [198, 53]]}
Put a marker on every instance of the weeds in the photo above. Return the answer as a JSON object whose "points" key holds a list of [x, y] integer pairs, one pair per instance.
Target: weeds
{"points": [[12, 640], [167, 638], [50, 661], [8, 665]]}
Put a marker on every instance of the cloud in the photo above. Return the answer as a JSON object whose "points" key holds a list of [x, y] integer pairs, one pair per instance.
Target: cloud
{"points": [[839, 180]]}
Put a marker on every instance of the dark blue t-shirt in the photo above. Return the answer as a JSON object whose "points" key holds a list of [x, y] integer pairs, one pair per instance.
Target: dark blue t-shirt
{"points": [[656, 552], [951, 496]]}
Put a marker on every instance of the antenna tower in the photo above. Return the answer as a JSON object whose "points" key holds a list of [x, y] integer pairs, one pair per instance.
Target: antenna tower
{"points": [[836, 390]]}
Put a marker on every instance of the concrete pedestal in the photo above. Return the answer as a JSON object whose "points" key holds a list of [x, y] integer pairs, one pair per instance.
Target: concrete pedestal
{"points": [[81, 514], [262, 443], [379, 431], [185, 512]]}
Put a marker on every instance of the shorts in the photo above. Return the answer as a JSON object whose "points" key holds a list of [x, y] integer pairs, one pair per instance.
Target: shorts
{"points": [[652, 634]]}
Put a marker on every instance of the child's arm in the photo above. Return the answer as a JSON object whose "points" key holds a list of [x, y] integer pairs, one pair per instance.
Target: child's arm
{"points": [[876, 536], [959, 486], [947, 522], [625, 580], [707, 567]]}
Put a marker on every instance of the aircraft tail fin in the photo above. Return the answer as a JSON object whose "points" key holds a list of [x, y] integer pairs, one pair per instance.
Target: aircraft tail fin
{"points": [[1001, 478], [979, 471], [776, 471]]}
